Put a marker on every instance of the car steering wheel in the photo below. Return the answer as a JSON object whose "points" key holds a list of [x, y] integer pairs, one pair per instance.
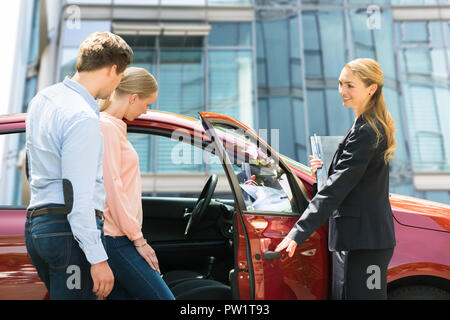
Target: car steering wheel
{"points": [[202, 203]]}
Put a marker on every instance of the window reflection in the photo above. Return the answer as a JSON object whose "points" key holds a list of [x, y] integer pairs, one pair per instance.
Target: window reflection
{"points": [[276, 3], [136, 2], [415, 31], [183, 2], [323, 2], [331, 24], [181, 81], [142, 41], [425, 84], [231, 85], [427, 140], [73, 35], [416, 2], [68, 61], [363, 38], [276, 53], [181, 42], [280, 81], [230, 34], [312, 47], [417, 61], [89, 1], [144, 58], [324, 44], [34, 39], [263, 182], [229, 2]]}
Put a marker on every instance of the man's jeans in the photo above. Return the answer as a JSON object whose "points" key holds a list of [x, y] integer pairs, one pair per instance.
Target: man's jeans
{"points": [[58, 258]]}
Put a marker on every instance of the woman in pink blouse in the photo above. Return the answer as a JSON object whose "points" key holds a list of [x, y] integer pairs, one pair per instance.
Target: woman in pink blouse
{"points": [[132, 260]]}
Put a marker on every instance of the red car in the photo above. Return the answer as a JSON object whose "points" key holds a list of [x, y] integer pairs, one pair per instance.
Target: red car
{"points": [[223, 247]]}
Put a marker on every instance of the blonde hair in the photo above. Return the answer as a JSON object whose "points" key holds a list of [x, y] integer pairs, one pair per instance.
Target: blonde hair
{"points": [[369, 71], [135, 80]]}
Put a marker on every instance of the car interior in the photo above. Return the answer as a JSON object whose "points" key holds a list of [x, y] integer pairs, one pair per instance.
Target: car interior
{"points": [[196, 265], [192, 236]]}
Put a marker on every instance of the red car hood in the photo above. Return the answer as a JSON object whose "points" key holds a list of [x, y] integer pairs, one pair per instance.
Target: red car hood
{"points": [[419, 213]]}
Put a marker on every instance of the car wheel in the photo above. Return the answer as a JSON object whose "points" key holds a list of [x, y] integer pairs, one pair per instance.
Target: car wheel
{"points": [[418, 292]]}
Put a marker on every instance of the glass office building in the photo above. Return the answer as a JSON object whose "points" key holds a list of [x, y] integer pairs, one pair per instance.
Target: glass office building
{"points": [[275, 65]]}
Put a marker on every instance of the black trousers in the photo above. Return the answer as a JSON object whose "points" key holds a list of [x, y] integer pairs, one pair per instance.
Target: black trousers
{"points": [[360, 274]]}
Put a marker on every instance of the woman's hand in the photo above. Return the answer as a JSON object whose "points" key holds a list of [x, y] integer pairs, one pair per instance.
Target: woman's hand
{"points": [[252, 181], [288, 243], [148, 254], [314, 164]]}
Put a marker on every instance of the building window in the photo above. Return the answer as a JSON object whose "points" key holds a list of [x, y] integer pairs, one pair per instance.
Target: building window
{"points": [[230, 71], [418, 2], [422, 51], [230, 34], [280, 81], [71, 38]]}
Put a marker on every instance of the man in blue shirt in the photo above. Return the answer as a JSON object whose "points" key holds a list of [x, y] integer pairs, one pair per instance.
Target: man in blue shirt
{"points": [[64, 145]]}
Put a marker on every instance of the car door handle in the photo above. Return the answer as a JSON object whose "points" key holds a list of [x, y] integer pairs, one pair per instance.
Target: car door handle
{"points": [[270, 255]]}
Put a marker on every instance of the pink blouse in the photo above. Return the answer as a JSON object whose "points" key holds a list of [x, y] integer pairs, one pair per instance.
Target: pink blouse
{"points": [[122, 180]]}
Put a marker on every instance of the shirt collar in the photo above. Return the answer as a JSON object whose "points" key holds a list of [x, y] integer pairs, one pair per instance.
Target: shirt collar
{"points": [[83, 92]]}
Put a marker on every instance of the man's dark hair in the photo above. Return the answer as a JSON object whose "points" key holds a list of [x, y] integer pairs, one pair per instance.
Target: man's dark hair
{"points": [[102, 49]]}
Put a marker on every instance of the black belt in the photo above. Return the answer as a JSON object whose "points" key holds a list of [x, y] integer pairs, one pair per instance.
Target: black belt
{"points": [[40, 212]]}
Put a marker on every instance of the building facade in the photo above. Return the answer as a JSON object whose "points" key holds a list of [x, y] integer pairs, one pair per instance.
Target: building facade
{"points": [[273, 65]]}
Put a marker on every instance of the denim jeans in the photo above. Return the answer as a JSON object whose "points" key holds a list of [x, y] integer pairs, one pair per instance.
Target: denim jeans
{"points": [[134, 279], [58, 258]]}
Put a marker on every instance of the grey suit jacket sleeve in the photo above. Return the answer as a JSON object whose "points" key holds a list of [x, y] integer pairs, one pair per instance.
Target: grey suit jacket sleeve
{"points": [[350, 167]]}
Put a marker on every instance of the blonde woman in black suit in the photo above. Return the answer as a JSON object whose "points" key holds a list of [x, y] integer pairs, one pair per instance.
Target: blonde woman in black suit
{"points": [[355, 197]]}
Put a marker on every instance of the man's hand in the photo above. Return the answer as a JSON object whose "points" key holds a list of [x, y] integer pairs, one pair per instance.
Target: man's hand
{"points": [[103, 279]]}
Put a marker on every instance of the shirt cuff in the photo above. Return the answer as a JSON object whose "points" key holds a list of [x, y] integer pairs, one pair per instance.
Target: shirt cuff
{"points": [[96, 253]]}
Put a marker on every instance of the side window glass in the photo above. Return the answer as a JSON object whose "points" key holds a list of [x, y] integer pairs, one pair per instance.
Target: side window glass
{"points": [[173, 167], [263, 181], [14, 187]]}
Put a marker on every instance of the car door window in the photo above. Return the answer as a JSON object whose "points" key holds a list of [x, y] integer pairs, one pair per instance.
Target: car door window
{"points": [[262, 179], [174, 167], [14, 187]]}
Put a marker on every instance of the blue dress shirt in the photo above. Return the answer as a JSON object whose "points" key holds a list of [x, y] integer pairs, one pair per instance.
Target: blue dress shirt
{"points": [[64, 141]]}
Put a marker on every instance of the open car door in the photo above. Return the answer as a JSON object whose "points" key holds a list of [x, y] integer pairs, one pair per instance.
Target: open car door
{"points": [[269, 199]]}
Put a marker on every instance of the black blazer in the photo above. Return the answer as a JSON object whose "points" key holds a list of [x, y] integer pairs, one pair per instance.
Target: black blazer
{"points": [[355, 197]]}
